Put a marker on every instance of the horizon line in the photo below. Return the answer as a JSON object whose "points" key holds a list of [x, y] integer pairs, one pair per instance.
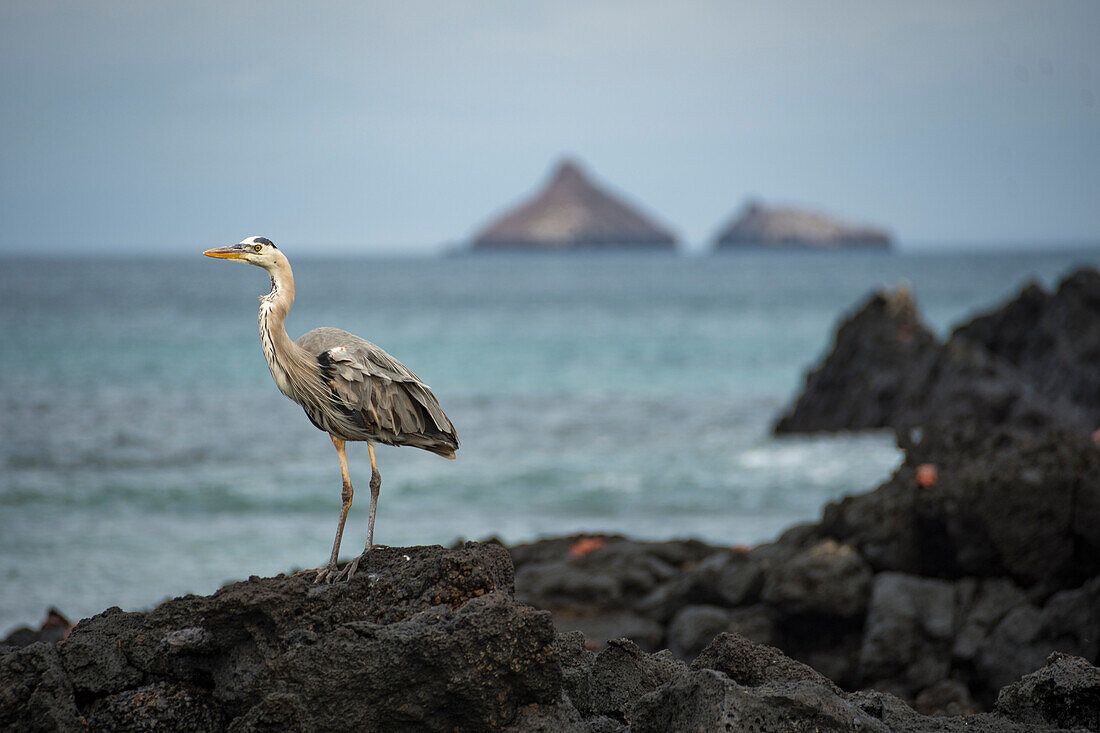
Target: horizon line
{"points": [[327, 251]]}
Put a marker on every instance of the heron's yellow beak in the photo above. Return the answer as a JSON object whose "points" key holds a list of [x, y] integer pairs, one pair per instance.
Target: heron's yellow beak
{"points": [[232, 252]]}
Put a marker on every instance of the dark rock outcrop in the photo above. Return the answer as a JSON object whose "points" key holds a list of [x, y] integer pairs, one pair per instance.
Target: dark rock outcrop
{"points": [[878, 353], [54, 628], [1053, 339], [757, 225], [421, 639], [1030, 363], [826, 579], [604, 592], [964, 382], [939, 590], [751, 664], [978, 558], [432, 639], [1006, 502], [736, 684], [571, 212], [1064, 693]]}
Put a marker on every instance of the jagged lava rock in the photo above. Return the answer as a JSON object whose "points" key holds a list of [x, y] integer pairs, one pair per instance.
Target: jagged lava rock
{"points": [[1006, 502], [751, 663], [827, 579], [1030, 363], [863, 382], [35, 692], [1068, 622], [1052, 338], [54, 628], [694, 627], [965, 382], [603, 592], [572, 212], [1064, 693], [758, 225], [908, 633], [422, 638]]}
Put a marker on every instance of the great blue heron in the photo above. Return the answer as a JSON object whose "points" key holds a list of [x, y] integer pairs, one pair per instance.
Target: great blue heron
{"points": [[350, 388]]}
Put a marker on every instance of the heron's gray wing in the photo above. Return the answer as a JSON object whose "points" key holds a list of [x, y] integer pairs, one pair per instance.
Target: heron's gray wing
{"points": [[387, 393]]}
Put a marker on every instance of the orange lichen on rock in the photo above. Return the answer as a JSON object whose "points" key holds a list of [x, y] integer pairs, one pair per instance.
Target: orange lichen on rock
{"points": [[585, 546], [927, 476]]}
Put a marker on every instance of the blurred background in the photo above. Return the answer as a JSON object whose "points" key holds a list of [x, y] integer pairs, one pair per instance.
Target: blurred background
{"points": [[145, 451]]}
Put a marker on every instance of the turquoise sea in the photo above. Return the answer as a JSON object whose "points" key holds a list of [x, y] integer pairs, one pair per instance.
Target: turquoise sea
{"points": [[145, 451]]}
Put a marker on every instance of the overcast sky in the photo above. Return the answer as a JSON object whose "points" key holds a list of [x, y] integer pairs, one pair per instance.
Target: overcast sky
{"points": [[399, 127]]}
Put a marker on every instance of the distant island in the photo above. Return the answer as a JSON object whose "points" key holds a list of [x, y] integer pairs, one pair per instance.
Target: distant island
{"points": [[573, 213], [757, 225]]}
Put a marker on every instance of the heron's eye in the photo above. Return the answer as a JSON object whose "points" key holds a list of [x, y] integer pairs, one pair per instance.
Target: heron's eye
{"points": [[257, 248]]}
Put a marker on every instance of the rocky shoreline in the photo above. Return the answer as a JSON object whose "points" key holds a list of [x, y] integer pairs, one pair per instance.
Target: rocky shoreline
{"points": [[940, 594], [429, 639], [961, 594]]}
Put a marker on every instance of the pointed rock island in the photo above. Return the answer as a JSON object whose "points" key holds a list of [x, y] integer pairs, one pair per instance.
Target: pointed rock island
{"points": [[573, 213], [757, 225]]}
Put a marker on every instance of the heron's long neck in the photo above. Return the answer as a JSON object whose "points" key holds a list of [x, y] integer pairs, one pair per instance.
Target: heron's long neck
{"points": [[284, 357]]}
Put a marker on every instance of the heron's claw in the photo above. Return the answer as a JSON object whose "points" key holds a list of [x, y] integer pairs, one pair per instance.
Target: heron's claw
{"points": [[327, 574], [349, 570]]}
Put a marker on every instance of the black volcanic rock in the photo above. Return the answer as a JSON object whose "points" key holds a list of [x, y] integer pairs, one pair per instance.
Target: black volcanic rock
{"points": [[421, 639], [1066, 692], [963, 382], [572, 212], [939, 590], [757, 225], [1053, 339], [433, 639], [54, 628], [865, 381], [1005, 502], [750, 663], [1031, 364]]}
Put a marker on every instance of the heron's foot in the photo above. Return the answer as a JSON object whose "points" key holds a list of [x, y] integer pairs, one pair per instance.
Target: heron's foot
{"points": [[351, 567], [328, 574]]}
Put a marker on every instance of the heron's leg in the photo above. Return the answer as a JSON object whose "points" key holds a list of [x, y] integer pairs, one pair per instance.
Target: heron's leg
{"points": [[375, 488], [328, 573]]}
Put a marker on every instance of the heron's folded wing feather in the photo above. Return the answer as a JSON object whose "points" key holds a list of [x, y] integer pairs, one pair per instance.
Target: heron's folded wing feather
{"points": [[389, 395]]}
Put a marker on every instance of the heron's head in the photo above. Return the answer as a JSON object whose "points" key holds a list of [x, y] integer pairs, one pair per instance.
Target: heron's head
{"points": [[258, 251]]}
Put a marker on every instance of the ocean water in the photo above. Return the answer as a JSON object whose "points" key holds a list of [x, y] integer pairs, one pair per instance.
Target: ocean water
{"points": [[145, 451]]}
